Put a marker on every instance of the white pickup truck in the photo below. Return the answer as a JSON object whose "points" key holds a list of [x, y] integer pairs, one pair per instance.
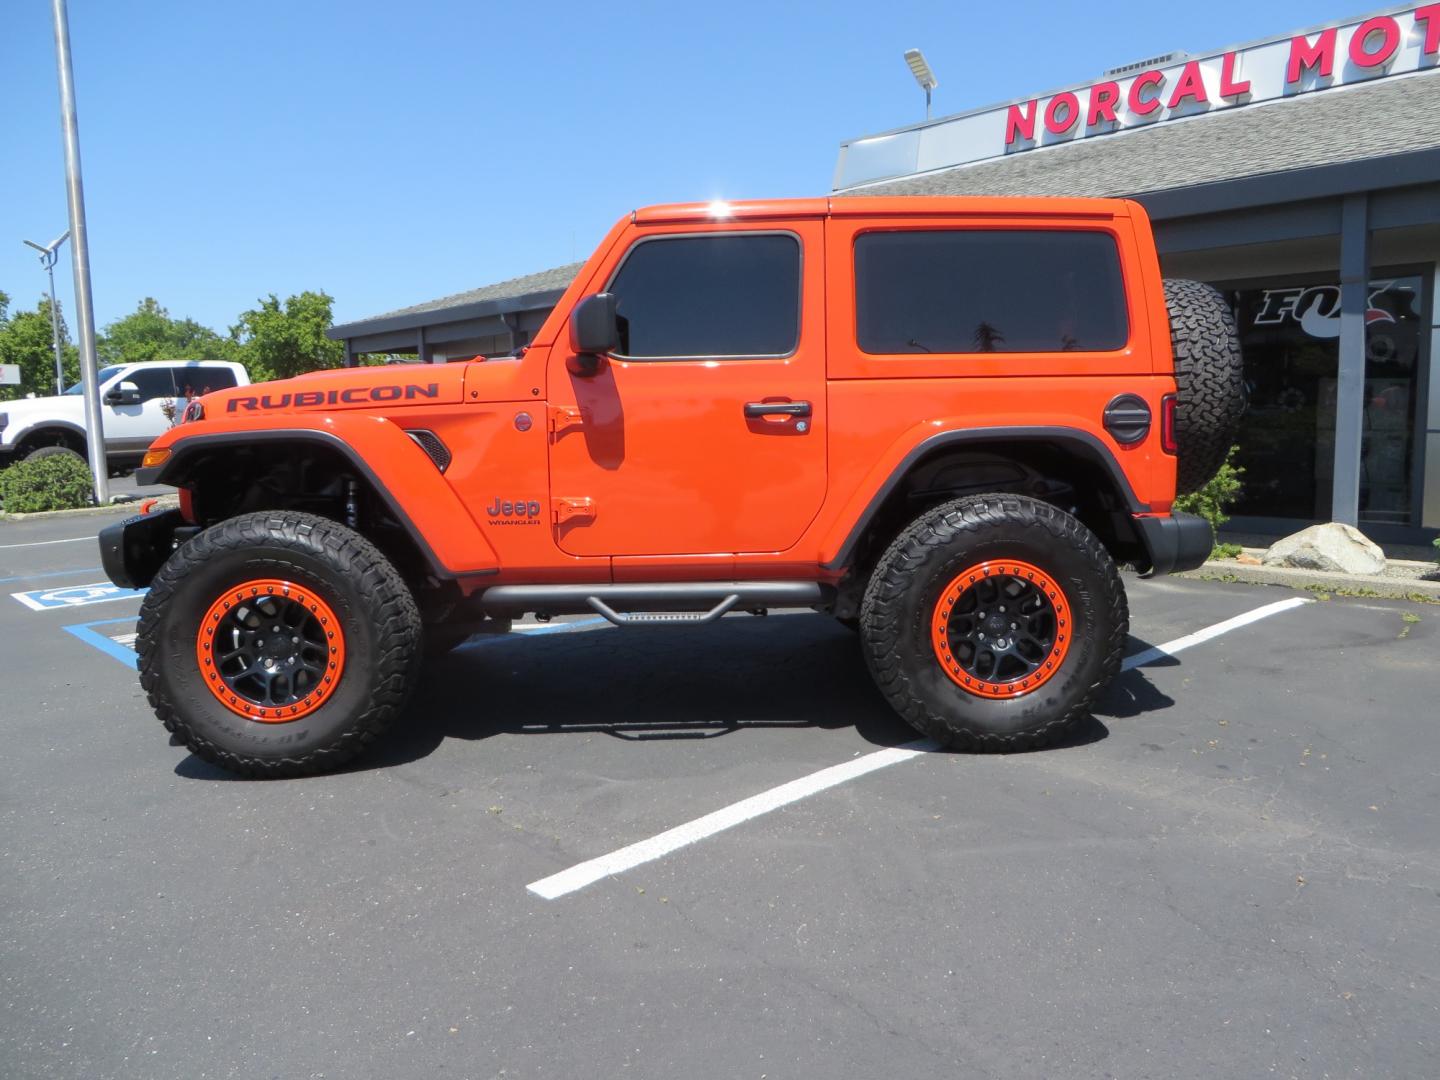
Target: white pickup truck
{"points": [[133, 406]]}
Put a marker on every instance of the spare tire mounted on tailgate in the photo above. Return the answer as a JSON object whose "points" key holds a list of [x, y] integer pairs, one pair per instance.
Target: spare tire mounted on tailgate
{"points": [[1209, 377]]}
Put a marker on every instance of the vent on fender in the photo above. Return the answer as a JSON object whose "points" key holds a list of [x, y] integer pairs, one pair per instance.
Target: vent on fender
{"points": [[430, 442]]}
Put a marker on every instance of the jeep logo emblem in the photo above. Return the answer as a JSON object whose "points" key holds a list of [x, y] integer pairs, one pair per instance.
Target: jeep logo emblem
{"points": [[513, 511]]}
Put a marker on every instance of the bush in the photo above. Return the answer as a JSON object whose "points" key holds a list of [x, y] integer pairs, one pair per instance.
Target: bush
{"points": [[1212, 500], [60, 482]]}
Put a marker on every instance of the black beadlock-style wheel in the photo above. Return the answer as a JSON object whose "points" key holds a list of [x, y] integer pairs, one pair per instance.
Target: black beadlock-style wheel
{"points": [[992, 622], [278, 644], [1209, 379]]}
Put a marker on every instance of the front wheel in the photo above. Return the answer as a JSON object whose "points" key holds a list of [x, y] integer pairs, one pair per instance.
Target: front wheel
{"points": [[993, 622], [278, 644]]}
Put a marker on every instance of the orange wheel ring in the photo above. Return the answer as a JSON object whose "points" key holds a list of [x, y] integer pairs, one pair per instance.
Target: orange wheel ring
{"points": [[1001, 628], [270, 650]]}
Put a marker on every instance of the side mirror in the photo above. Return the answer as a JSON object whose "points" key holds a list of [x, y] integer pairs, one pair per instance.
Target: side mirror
{"points": [[127, 393], [594, 331]]}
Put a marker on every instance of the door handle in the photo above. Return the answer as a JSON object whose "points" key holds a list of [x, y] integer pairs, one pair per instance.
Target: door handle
{"points": [[754, 409]]}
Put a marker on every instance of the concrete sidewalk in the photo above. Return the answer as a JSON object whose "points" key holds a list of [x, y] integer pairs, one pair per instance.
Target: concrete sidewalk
{"points": [[1403, 579]]}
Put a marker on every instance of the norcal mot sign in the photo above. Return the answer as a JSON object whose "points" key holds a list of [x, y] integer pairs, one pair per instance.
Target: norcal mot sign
{"points": [[1332, 56], [1397, 41]]}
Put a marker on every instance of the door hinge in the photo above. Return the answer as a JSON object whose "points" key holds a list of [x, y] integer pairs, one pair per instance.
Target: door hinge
{"points": [[564, 416], [563, 510]]}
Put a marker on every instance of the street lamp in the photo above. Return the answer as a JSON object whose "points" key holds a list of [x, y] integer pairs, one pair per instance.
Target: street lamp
{"points": [[48, 255], [923, 75]]}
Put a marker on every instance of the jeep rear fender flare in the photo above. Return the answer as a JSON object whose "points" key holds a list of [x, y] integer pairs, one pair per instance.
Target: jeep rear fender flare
{"points": [[1083, 443], [431, 513]]}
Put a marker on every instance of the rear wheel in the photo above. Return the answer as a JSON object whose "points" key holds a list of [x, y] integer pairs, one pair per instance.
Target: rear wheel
{"points": [[993, 621], [278, 644]]}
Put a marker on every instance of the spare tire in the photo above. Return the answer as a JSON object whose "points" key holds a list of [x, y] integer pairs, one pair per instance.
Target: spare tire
{"points": [[1209, 377]]}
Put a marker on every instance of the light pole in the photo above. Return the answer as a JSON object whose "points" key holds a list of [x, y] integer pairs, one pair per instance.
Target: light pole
{"points": [[923, 75], [48, 255], [80, 257]]}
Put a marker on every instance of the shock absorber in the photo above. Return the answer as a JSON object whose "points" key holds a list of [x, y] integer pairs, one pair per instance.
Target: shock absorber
{"points": [[352, 504]]}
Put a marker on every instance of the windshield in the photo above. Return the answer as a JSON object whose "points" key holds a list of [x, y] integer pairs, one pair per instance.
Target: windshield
{"points": [[105, 373]]}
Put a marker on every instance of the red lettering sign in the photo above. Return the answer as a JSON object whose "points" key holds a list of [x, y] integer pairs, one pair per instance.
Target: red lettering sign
{"points": [[1057, 124], [1020, 125], [1229, 88], [1140, 105], [1191, 86], [1429, 17], [1305, 55], [1103, 99], [1389, 38]]}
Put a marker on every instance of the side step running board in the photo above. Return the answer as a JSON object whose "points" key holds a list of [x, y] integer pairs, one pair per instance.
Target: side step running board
{"points": [[635, 618], [628, 604]]}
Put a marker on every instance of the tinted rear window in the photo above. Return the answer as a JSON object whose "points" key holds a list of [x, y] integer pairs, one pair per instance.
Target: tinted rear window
{"points": [[710, 296], [201, 380], [974, 291]]}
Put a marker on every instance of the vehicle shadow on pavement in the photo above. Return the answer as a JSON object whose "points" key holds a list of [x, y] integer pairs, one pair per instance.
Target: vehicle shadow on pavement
{"points": [[645, 683]]}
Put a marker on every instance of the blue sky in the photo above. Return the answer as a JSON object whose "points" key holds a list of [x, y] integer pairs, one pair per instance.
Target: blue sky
{"points": [[392, 153]]}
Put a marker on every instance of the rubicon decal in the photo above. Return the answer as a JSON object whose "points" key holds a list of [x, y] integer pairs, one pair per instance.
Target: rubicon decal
{"points": [[513, 511], [354, 395]]}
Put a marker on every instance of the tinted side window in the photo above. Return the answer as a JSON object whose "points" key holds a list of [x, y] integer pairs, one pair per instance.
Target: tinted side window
{"points": [[974, 291], [193, 382], [710, 296], [152, 382]]}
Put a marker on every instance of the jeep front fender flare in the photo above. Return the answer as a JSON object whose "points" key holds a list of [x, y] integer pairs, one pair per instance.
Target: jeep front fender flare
{"points": [[431, 512]]}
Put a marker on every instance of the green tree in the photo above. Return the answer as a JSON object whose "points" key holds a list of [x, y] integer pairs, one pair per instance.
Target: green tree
{"points": [[278, 341], [149, 333], [25, 339]]}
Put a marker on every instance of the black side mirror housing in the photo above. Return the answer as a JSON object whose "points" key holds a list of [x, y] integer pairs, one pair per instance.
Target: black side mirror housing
{"points": [[594, 331], [124, 394]]}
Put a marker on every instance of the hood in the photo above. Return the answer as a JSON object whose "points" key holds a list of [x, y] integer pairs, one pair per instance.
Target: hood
{"points": [[379, 388], [27, 414], [50, 404]]}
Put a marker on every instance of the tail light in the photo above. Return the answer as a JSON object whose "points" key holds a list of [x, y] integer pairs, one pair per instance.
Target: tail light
{"points": [[1167, 425]]}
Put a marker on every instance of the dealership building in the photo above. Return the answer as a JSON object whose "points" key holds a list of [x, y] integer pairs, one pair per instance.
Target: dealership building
{"points": [[1299, 174]]}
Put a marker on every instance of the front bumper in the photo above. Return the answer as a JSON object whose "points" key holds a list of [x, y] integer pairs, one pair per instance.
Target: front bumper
{"points": [[132, 551], [1175, 543]]}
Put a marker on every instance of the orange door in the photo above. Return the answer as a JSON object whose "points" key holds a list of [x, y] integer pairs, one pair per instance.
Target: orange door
{"points": [[705, 432]]}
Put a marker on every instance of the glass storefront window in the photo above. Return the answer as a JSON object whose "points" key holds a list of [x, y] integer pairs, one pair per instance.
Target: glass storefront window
{"points": [[1290, 333]]}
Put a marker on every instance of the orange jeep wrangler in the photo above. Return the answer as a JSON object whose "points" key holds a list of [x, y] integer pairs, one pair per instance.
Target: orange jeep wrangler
{"points": [[944, 421]]}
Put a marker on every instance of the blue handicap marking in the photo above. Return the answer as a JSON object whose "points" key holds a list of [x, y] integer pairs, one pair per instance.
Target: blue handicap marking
{"points": [[118, 646], [74, 596]]}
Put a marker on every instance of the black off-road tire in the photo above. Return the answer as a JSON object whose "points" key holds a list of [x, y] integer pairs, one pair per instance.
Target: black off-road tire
{"points": [[56, 451], [915, 571], [376, 611], [1209, 377]]}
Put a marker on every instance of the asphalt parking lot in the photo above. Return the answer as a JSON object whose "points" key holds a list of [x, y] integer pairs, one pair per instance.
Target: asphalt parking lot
{"points": [[1233, 870]]}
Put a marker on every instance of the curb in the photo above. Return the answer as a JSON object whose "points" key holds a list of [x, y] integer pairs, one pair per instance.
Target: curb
{"points": [[1377, 585], [163, 502]]}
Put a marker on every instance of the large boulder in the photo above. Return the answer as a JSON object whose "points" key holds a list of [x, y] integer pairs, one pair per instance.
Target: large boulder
{"points": [[1337, 548]]}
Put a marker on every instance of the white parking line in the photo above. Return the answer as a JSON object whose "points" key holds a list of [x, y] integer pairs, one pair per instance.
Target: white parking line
{"points": [[1170, 648], [586, 873], [44, 543], [633, 855]]}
